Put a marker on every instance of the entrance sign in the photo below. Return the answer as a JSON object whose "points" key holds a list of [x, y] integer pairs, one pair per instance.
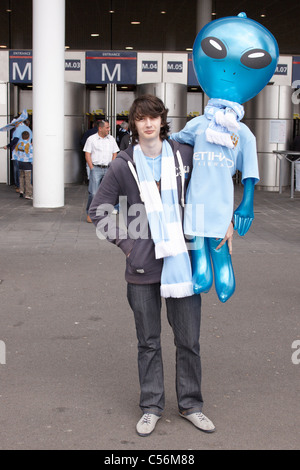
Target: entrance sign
{"points": [[111, 67], [20, 67]]}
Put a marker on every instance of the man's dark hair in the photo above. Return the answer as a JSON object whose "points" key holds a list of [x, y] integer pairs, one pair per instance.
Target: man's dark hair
{"points": [[101, 123], [25, 135], [148, 105]]}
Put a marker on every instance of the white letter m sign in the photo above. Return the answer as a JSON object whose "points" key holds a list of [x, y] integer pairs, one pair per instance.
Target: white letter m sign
{"points": [[116, 70]]}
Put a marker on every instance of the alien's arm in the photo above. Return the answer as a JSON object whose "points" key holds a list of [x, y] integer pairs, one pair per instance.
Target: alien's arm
{"points": [[187, 134], [244, 214]]}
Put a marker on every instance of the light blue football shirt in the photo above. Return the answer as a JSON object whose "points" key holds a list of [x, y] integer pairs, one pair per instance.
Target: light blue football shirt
{"points": [[21, 128], [210, 194], [155, 166]]}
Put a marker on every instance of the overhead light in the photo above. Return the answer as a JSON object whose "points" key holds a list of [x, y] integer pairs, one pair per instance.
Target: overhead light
{"points": [[163, 12], [189, 49], [67, 47], [111, 11], [135, 22], [3, 47], [9, 10], [214, 13], [263, 13], [128, 47], [95, 35]]}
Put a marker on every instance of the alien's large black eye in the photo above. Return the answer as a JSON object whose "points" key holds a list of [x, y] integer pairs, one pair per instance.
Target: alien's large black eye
{"points": [[214, 48], [256, 59]]}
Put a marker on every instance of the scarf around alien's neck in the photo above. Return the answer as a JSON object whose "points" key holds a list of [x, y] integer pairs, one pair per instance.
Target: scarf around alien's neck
{"points": [[224, 117]]}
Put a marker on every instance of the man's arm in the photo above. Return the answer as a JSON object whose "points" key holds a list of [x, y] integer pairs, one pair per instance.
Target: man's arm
{"points": [[114, 155], [101, 209], [228, 238], [88, 159]]}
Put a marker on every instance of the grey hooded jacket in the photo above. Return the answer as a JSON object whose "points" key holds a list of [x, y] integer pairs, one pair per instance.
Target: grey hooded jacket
{"points": [[130, 230]]}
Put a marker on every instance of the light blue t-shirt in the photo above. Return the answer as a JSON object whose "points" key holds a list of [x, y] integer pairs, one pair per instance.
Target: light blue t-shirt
{"points": [[155, 166], [23, 151], [210, 194], [21, 128]]}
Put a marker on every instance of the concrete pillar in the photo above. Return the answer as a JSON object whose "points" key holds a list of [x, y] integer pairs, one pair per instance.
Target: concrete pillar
{"points": [[204, 11], [48, 102]]}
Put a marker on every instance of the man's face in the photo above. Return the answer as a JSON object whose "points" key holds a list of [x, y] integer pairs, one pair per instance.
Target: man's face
{"points": [[104, 131], [148, 128]]}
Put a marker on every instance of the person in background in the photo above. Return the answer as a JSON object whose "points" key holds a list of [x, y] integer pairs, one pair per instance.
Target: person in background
{"points": [[20, 127], [23, 154], [122, 132], [83, 140], [100, 149], [126, 141]]}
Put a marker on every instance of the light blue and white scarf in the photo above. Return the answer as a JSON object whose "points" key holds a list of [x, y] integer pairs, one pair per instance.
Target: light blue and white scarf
{"points": [[164, 219], [13, 123], [223, 116]]}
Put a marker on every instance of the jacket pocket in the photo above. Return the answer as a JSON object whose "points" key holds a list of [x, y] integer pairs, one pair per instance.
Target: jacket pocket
{"points": [[142, 256]]}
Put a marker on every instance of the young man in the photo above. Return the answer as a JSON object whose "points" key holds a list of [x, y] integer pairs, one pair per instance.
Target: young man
{"points": [[152, 175], [100, 149]]}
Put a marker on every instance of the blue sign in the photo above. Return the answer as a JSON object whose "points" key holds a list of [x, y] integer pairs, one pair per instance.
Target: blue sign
{"points": [[192, 79], [149, 65], [71, 64], [281, 69], [20, 67], [173, 66], [296, 70], [111, 67]]}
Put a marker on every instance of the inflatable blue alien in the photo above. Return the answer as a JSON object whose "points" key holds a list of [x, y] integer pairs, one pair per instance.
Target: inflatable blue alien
{"points": [[234, 59]]}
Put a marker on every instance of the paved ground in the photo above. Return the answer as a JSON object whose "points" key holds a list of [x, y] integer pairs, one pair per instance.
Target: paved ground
{"points": [[70, 378]]}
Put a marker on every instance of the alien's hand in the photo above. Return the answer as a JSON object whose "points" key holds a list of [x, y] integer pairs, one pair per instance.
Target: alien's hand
{"points": [[243, 217]]}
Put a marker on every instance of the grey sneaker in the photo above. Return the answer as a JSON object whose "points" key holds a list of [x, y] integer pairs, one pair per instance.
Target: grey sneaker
{"points": [[201, 422], [146, 424]]}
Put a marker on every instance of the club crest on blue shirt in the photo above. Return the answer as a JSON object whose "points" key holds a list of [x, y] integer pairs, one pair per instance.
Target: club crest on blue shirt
{"points": [[235, 139]]}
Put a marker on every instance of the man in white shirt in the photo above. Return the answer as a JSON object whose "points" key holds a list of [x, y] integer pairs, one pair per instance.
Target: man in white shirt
{"points": [[100, 149]]}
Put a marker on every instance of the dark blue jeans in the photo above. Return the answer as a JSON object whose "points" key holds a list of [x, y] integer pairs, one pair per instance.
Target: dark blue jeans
{"points": [[16, 173], [184, 316]]}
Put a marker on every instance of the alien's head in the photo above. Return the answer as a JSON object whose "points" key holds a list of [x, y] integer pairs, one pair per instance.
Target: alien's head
{"points": [[234, 58]]}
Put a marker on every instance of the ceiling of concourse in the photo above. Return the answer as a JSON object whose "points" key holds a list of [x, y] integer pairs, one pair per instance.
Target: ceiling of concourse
{"points": [[174, 30]]}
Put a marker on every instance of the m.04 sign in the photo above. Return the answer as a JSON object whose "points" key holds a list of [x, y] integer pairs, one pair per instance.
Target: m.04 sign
{"points": [[149, 66]]}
